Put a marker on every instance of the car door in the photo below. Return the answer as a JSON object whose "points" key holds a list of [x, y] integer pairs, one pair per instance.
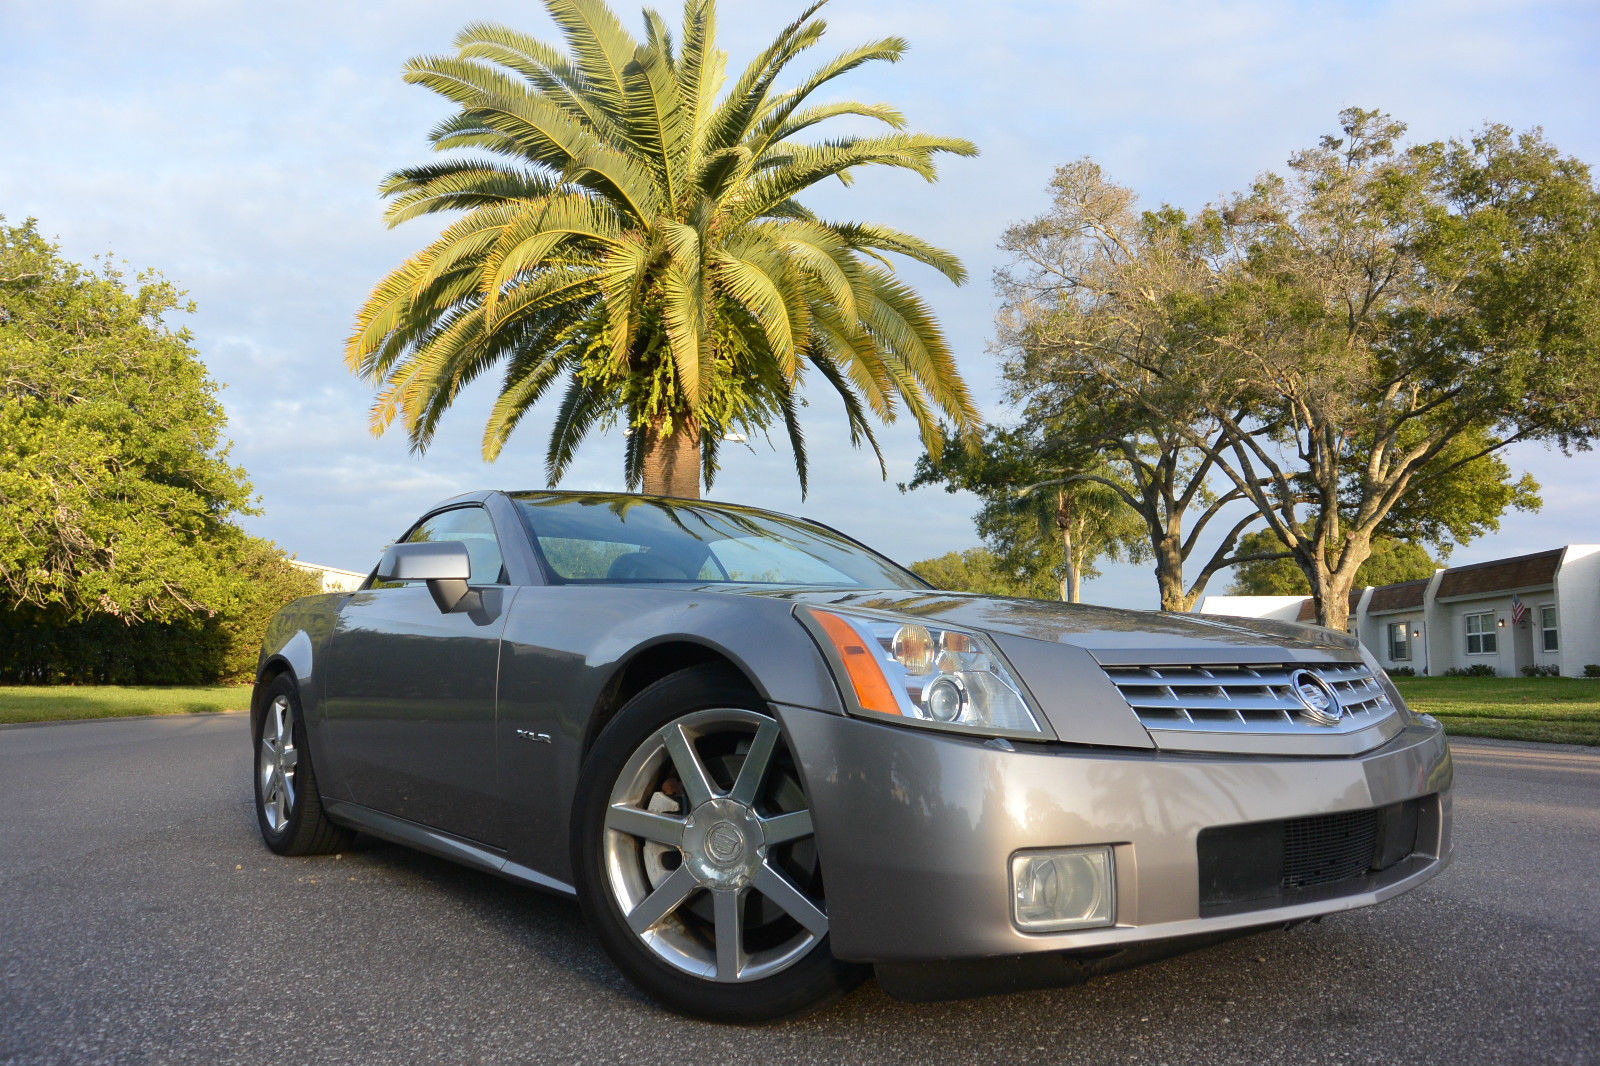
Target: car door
{"points": [[410, 703]]}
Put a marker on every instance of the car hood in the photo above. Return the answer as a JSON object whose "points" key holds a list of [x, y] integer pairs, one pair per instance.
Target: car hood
{"points": [[1113, 636]]}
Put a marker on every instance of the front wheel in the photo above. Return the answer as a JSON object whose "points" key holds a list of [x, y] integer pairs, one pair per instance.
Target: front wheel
{"points": [[288, 805], [695, 858]]}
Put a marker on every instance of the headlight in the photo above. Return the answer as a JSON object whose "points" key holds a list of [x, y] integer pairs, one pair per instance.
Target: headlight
{"points": [[923, 674]]}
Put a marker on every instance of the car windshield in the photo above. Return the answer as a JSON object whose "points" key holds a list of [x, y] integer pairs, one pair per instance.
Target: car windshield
{"points": [[630, 539]]}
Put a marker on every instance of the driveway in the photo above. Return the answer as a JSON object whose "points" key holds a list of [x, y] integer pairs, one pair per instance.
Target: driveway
{"points": [[143, 921]]}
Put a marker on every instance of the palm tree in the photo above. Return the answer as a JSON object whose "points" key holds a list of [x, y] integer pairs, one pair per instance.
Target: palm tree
{"points": [[631, 230]]}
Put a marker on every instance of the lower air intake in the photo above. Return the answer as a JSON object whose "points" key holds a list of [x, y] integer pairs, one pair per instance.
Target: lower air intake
{"points": [[1261, 865]]}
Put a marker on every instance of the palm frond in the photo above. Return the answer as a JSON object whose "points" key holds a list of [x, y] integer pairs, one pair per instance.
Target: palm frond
{"points": [[654, 123], [732, 119], [599, 44], [457, 185], [812, 116], [778, 112], [791, 170], [528, 377], [870, 235], [748, 280], [543, 66], [856, 418], [582, 406]]}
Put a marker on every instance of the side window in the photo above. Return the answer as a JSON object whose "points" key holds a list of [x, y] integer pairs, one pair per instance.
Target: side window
{"points": [[1399, 642], [1550, 637], [473, 528]]}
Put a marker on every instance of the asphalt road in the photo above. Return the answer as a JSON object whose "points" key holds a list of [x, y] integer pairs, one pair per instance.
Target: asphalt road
{"points": [[141, 920]]}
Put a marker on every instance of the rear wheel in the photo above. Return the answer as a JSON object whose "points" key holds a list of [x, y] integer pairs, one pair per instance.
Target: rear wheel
{"points": [[288, 805], [695, 857]]}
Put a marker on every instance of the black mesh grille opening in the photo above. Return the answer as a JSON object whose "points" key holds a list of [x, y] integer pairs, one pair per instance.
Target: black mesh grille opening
{"points": [[1328, 849], [1273, 864]]}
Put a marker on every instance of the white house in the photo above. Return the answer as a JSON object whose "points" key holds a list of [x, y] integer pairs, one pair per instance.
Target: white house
{"points": [[333, 579], [1540, 610]]}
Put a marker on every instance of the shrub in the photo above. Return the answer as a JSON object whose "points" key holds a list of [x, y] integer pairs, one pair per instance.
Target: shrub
{"points": [[1592, 670], [1403, 671], [46, 646], [1536, 670], [1475, 670]]}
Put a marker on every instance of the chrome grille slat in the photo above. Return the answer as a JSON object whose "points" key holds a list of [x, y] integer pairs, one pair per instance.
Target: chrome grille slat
{"points": [[1224, 703], [1254, 698]]}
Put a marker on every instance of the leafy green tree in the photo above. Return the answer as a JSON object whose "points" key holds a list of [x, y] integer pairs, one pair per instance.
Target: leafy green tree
{"points": [[1344, 346], [1391, 305], [119, 559], [261, 581], [1040, 531], [114, 474], [636, 232], [1110, 383], [980, 570], [1391, 562]]}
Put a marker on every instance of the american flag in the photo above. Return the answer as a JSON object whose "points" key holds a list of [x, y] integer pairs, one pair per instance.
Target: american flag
{"points": [[1519, 610]]}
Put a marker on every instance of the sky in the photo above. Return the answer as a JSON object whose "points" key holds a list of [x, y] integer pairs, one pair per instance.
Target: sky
{"points": [[237, 149]]}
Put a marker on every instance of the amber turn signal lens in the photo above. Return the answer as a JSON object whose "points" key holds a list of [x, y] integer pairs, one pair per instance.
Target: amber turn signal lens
{"points": [[866, 676]]}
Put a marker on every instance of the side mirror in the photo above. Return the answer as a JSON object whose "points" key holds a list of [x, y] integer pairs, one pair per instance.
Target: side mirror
{"points": [[443, 564]]}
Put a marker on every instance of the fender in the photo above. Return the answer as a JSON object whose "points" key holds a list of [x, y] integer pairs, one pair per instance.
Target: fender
{"points": [[761, 637], [563, 649], [293, 640]]}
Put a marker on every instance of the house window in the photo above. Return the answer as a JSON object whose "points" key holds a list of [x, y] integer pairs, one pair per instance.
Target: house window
{"points": [[1547, 628], [1481, 637], [1399, 642]]}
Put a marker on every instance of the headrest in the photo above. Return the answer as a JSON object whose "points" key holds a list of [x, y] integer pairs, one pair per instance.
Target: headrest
{"points": [[643, 566]]}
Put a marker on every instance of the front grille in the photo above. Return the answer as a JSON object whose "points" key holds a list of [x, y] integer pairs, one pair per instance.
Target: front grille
{"points": [[1272, 864], [1247, 699]]}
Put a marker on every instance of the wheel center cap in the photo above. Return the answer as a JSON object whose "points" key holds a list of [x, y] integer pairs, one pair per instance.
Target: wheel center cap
{"points": [[723, 844]]}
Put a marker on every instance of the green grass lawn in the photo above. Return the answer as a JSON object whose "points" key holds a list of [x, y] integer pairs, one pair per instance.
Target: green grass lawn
{"points": [[1562, 710], [60, 703]]}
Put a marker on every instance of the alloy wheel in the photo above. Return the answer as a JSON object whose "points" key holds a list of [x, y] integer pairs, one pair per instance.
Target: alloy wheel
{"points": [[276, 760], [709, 849]]}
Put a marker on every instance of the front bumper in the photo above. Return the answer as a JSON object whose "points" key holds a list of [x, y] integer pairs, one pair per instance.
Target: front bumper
{"points": [[915, 831]]}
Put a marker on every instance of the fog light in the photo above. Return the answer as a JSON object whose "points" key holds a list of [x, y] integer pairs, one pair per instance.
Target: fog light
{"points": [[1063, 888]]}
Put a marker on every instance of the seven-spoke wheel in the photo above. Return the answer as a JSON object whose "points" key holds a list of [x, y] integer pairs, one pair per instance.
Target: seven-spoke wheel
{"points": [[696, 857], [288, 804], [275, 763], [676, 834]]}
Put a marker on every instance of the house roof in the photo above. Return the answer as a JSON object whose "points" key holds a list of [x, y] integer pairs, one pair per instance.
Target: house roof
{"points": [[1500, 575], [1308, 606], [1401, 596]]}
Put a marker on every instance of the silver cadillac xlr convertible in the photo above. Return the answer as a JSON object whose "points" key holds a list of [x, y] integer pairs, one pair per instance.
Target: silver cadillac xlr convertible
{"points": [[765, 758]]}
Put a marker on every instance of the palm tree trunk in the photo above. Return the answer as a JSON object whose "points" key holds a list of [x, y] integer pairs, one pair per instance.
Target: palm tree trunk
{"points": [[672, 460]]}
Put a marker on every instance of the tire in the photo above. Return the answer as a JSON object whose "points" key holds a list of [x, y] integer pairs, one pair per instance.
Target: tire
{"points": [[674, 847], [288, 806]]}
